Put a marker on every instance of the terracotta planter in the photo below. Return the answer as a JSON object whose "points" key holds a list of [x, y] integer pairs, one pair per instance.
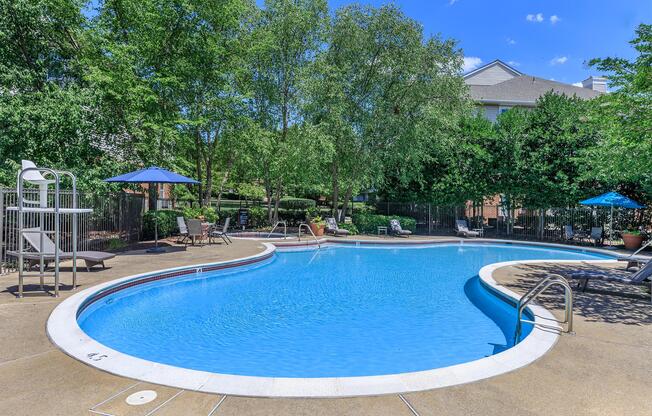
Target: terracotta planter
{"points": [[632, 241], [318, 230]]}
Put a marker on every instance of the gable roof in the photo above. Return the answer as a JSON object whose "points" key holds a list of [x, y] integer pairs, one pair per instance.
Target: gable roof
{"points": [[525, 90], [496, 62]]}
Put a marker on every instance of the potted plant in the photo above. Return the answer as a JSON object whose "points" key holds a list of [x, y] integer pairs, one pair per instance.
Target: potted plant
{"points": [[317, 226], [633, 239]]}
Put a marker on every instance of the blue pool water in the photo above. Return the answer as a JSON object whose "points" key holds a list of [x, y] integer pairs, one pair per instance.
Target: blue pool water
{"points": [[340, 311]]}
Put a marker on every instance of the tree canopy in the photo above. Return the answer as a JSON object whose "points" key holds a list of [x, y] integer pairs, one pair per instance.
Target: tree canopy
{"points": [[292, 98]]}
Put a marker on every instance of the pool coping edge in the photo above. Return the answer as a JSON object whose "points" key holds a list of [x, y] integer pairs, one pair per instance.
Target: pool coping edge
{"points": [[63, 330]]}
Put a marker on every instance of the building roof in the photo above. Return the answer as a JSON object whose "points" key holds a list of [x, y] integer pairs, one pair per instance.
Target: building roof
{"points": [[526, 90], [497, 62]]}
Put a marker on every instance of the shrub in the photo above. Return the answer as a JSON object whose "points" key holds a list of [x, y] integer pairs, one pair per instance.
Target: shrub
{"points": [[296, 203], [230, 213], [353, 230], [116, 244], [312, 212], [369, 223], [258, 216], [208, 213], [167, 223]]}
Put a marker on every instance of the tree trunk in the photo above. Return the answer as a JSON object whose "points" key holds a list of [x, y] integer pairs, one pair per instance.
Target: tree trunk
{"points": [[268, 194], [345, 204], [225, 178], [336, 189], [198, 170], [277, 200], [209, 182]]}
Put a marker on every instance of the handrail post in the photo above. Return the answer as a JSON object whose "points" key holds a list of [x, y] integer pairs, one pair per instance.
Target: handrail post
{"points": [[539, 288], [313, 234]]}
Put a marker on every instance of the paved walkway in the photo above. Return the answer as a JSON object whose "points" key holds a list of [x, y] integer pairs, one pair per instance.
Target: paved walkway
{"points": [[603, 370]]}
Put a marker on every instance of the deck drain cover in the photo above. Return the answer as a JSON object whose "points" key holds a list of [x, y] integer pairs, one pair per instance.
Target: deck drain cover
{"points": [[141, 397]]}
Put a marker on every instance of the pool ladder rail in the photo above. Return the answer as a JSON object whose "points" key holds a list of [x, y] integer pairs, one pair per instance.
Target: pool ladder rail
{"points": [[303, 224], [285, 229], [539, 288]]}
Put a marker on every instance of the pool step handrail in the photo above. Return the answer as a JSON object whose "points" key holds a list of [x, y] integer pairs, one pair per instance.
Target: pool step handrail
{"points": [[303, 224], [285, 229], [542, 286]]}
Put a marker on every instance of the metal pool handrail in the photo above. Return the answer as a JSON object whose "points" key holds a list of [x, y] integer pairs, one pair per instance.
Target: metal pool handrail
{"points": [[303, 224], [285, 229], [552, 280]]}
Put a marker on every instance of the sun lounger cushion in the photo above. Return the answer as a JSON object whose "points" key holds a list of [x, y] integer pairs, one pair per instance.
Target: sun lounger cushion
{"points": [[333, 228]]}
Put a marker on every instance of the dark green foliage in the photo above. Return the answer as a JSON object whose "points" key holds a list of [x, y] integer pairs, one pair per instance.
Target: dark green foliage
{"points": [[352, 228], [258, 217], [167, 223], [291, 99], [209, 214], [296, 203], [369, 223]]}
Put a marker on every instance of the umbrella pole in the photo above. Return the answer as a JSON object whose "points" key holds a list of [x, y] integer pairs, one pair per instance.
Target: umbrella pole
{"points": [[156, 248], [611, 226], [156, 230]]}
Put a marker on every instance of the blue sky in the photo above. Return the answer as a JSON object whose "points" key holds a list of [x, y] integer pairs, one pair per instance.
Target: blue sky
{"points": [[547, 38]]}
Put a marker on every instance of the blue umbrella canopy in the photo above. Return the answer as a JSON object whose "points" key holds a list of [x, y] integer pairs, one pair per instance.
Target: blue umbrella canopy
{"points": [[612, 199], [151, 175]]}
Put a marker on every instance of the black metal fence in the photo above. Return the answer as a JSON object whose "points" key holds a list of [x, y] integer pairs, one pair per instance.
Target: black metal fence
{"points": [[116, 220], [516, 223]]}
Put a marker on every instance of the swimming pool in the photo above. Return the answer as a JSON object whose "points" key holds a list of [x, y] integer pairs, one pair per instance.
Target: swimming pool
{"points": [[338, 312]]}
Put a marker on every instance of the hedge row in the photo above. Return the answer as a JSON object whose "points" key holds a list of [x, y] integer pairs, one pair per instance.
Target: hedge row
{"points": [[290, 203], [369, 223]]}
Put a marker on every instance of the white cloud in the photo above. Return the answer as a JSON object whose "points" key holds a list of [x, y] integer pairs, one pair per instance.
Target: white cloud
{"points": [[558, 60], [471, 63], [538, 18], [554, 19], [513, 63], [451, 2], [511, 41], [578, 84]]}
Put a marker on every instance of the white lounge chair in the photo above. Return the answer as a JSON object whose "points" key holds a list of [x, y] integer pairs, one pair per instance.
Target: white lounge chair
{"points": [[462, 229], [396, 229], [33, 237], [332, 228], [637, 278]]}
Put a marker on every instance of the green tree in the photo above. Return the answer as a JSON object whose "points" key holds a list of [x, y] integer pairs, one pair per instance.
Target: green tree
{"points": [[381, 95], [539, 152], [623, 155], [48, 112], [287, 36]]}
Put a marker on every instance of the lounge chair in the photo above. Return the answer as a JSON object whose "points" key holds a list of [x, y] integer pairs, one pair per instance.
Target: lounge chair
{"points": [[33, 237], [195, 231], [183, 230], [332, 228], [634, 262], [636, 278], [596, 236], [462, 229], [396, 229], [570, 235], [223, 234]]}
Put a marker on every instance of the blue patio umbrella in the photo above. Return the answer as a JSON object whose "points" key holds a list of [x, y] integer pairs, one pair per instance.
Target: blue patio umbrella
{"points": [[154, 175], [612, 199]]}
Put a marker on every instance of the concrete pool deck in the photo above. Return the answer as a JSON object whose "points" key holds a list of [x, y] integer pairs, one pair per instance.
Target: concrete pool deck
{"points": [[603, 369]]}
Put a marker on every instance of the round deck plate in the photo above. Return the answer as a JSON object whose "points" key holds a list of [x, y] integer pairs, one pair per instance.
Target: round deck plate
{"points": [[141, 397]]}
